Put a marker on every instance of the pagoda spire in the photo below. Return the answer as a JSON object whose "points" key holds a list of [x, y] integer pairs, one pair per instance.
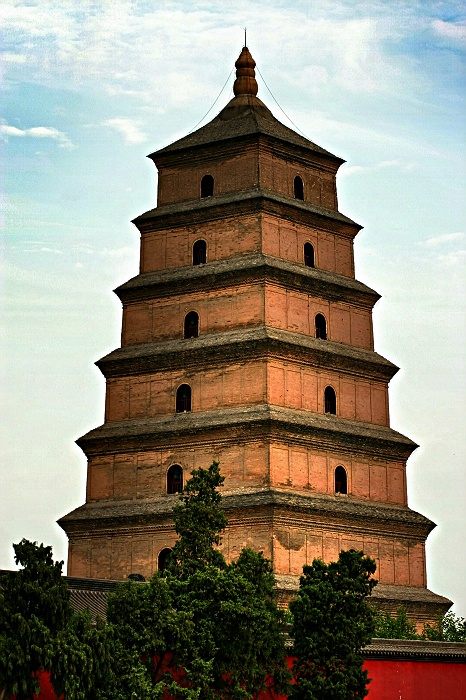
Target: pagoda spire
{"points": [[245, 83]]}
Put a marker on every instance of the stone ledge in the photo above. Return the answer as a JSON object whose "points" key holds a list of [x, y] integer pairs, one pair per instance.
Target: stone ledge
{"points": [[420, 603], [415, 649], [241, 344], [383, 591], [250, 201], [261, 501], [253, 267], [314, 428]]}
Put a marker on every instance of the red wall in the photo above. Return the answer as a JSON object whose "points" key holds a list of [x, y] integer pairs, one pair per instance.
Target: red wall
{"points": [[391, 680], [416, 680]]}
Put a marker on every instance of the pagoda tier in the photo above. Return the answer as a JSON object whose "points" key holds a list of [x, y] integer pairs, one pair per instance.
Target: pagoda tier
{"points": [[246, 339]]}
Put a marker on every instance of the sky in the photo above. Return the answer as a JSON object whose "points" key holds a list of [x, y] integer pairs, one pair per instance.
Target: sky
{"points": [[88, 89]]}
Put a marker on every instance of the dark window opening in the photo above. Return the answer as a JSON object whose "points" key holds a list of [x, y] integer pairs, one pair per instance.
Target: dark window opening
{"points": [[330, 399], [321, 327], [175, 479], [137, 577], [341, 482], [298, 188], [191, 325], [308, 255], [199, 252], [164, 559], [183, 398], [207, 186]]}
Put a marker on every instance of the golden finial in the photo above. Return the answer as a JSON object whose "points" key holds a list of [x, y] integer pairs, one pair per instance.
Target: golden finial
{"points": [[245, 83]]}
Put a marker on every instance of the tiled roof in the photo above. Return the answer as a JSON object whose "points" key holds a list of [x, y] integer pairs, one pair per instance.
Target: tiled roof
{"points": [[416, 649], [93, 601], [243, 116]]}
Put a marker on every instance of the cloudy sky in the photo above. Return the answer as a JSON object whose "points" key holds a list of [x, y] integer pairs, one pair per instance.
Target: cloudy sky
{"points": [[89, 88]]}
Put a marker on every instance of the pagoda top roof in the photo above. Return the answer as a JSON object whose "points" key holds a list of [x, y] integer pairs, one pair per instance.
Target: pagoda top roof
{"points": [[245, 115]]}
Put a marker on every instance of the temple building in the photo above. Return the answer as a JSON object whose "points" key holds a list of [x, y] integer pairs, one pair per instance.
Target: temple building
{"points": [[246, 339]]}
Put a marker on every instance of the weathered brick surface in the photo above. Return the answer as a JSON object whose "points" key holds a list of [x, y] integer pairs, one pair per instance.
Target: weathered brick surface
{"points": [[163, 318], [236, 172], [146, 472], [173, 248], [289, 546], [155, 395], [257, 373], [246, 305], [250, 167], [286, 239]]}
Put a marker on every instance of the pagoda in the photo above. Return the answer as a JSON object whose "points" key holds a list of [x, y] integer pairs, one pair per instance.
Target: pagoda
{"points": [[246, 339]]}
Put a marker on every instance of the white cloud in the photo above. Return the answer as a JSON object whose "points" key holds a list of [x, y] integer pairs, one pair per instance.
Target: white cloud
{"points": [[352, 169], [450, 30], [117, 46], [83, 248], [129, 128], [454, 258], [10, 57], [123, 252], [37, 132], [445, 238]]}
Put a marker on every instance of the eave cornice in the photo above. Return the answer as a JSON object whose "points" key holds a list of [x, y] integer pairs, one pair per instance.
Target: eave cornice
{"points": [[246, 423], [261, 143], [216, 349], [251, 504], [245, 202], [252, 268]]}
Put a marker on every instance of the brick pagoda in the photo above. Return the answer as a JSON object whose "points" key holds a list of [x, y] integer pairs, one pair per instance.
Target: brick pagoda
{"points": [[247, 339]]}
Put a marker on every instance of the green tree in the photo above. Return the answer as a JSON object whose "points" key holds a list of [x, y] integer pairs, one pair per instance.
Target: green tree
{"points": [[78, 658], [34, 608], [146, 632], [40, 632], [199, 522], [332, 623], [447, 628], [202, 629], [236, 639], [399, 626]]}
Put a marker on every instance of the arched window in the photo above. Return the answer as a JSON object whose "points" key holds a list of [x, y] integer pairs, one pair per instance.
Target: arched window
{"points": [[207, 186], [321, 327], [308, 255], [341, 481], [175, 479], [137, 577], [163, 558], [199, 252], [330, 400], [298, 188], [183, 398], [191, 325]]}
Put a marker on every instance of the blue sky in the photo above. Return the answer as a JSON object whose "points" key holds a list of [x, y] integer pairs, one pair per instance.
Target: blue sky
{"points": [[88, 89]]}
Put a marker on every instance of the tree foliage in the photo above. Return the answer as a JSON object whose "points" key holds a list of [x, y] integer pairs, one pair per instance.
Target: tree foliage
{"points": [[332, 623], [34, 608], [145, 630], [446, 628], [79, 658], [40, 632], [204, 629], [397, 626], [199, 522]]}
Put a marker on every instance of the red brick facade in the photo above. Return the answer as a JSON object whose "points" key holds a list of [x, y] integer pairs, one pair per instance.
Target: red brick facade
{"points": [[285, 384]]}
